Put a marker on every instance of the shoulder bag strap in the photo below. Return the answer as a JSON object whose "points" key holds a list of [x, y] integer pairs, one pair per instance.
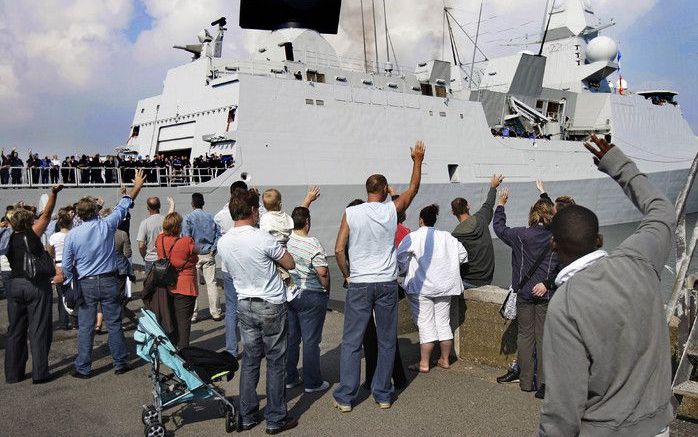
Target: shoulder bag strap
{"points": [[26, 242], [533, 268]]}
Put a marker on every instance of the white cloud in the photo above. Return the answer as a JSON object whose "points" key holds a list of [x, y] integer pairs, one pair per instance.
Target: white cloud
{"points": [[74, 54]]}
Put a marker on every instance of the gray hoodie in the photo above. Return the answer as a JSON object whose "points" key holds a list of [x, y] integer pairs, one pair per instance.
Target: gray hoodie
{"points": [[606, 342]]}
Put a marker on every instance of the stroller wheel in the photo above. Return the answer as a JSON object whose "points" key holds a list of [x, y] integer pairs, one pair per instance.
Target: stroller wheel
{"points": [[150, 415], [231, 421], [155, 430]]}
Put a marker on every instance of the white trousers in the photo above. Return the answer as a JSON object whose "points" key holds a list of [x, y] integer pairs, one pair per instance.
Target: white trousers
{"points": [[206, 266], [432, 316]]}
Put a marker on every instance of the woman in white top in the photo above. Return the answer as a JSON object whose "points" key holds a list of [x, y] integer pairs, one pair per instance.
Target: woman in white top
{"points": [[55, 249], [431, 260]]}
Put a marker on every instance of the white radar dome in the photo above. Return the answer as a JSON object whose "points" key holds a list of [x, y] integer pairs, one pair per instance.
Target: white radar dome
{"points": [[602, 48]]}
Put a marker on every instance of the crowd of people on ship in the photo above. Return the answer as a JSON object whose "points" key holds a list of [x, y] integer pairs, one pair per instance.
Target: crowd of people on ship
{"points": [[592, 338], [111, 169]]}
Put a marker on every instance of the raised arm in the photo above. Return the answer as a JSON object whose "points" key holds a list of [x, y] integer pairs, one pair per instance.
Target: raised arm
{"points": [[487, 209], [40, 224], [653, 238], [341, 246], [171, 205], [138, 182], [403, 202], [312, 196], [499, 224]]}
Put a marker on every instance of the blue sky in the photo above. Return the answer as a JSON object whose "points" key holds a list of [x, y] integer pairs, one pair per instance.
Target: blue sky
{"points": [[72, 71]]}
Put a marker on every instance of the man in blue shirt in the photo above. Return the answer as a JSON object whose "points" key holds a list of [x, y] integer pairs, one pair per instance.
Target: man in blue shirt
{"points": [[89, 257], [201, 227]]}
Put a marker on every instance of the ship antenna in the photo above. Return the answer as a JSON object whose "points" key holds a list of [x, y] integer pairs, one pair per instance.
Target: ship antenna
{"points": [[547, 26], [477, 35], [363, 30], [387, 45], [452, 40], [375, 32]]}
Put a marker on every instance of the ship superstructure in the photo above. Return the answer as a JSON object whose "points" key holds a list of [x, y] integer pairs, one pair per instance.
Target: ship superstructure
{"points": [[296, 114]]}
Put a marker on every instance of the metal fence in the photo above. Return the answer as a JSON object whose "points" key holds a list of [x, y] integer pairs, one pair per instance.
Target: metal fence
{"points": [[28, 177]]}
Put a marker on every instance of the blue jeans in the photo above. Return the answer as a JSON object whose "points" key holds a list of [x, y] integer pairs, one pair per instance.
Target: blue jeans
{"points": [[306, 317], [361, 301], [231, 320], [263, 329], [104, 291]]}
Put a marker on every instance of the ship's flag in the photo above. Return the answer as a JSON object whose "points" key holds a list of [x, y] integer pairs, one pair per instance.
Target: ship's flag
{"points": [[620, 81]]}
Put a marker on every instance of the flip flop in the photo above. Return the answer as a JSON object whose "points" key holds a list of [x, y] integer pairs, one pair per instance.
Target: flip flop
{"points": [[416, 368]]}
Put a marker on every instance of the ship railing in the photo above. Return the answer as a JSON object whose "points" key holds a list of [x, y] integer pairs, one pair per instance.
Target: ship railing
{"points": [[311, 59], [35, 177]]}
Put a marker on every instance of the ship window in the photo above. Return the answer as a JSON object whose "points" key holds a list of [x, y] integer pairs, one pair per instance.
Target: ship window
{"points": [[298, 75], [453, 173], [142, 110], [309, 101], [442, 114], [553, 111], [320, 102], [136, 130], [461, 116], [426, 89], [288, 48], [440, 91], [314, 76], [539, 105], [431, 113]]}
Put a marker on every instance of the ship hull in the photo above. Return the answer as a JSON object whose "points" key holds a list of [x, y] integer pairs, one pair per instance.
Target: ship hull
{"points": [[601, 194]]}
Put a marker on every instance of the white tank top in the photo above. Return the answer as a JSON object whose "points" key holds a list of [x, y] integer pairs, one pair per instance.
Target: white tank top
{"points": [[372, 228]]}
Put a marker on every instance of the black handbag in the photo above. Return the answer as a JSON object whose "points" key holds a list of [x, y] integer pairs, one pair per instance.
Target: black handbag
{"points": [[37, 266], [164, 273]]}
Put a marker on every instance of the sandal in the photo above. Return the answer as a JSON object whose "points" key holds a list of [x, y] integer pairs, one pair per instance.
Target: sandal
{"points": [[416, 368]]}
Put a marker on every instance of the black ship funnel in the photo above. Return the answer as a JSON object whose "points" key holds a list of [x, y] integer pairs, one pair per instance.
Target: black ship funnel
{"points": [[319, 15]]}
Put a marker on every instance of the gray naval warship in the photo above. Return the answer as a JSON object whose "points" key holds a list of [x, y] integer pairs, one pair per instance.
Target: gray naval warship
{"points": [[294, 115]]}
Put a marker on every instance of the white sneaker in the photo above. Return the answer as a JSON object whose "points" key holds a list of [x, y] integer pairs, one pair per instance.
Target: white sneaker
{"points": [[294, 384], [324, 386]]}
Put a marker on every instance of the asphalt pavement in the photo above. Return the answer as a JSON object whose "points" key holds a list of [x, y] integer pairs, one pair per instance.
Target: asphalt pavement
{"points": [[462, 401]]}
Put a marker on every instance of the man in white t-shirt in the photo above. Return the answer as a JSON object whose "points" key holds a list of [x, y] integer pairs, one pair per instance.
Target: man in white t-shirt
{"points": [[225, 223], [251, 256], [371, 272]]}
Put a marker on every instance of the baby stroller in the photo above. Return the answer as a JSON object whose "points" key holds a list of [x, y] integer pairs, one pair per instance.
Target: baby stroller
{"points": [[194, 371]]}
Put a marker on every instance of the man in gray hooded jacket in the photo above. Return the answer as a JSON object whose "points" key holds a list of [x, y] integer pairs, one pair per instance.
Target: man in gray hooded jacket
{"points": [[606, 342]]}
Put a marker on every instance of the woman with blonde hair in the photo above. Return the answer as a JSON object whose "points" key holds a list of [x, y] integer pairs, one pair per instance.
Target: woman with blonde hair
{"points": [[181, 251], [532, 263]]}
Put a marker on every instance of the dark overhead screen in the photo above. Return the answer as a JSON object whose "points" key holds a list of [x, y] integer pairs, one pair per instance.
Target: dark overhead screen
{"points": [[319, 15]]}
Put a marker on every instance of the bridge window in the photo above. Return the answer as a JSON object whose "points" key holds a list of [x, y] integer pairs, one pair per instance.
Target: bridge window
{"points": [[426, 89], [314, 76], [135, 131], [440, 91]]}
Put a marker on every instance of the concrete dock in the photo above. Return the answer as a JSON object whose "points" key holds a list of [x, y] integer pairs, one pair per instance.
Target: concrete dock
{"points": [[462, 401]]}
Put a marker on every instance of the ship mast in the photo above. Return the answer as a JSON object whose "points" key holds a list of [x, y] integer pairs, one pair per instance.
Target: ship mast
{"points": [[363, 31], [375, 32], [477, 35]]}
